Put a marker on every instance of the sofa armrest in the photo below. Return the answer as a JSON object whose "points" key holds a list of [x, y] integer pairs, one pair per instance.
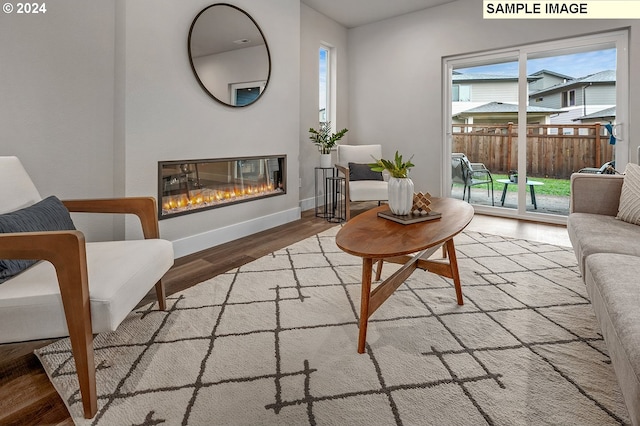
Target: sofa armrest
{"points": [[143, 207], [595, 193]]}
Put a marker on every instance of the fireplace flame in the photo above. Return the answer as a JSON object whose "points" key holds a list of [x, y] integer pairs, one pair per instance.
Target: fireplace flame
{"points": [[211, 197]]}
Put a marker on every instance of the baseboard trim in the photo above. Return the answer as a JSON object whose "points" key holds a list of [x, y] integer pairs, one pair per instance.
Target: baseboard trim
{"points": [[308, 204], [215, 237]]}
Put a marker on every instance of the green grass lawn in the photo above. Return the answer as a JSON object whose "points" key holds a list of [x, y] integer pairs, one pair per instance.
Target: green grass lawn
{"points": [[560, 187]]}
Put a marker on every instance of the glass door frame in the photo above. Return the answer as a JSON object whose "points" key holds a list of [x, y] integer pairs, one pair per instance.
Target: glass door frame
{"points": [[618, 39]]}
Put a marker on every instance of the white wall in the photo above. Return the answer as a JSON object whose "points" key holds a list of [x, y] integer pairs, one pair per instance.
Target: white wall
{"points": [[93, 87], [316, 29], [169, 117], [395, 78], [57, 101]]}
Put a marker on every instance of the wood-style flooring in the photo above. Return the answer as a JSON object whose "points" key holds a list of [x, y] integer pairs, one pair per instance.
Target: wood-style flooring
{"points": [[26, 394]]}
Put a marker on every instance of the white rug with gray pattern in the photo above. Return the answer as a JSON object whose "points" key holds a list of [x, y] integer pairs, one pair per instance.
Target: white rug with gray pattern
{"points": [[274, 343]]}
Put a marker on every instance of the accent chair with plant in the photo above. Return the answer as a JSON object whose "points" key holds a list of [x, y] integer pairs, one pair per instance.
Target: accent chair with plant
{"points": [[360, 182]]}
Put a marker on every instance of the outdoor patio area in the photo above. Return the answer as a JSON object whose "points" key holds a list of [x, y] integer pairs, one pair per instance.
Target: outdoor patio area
{"points": [[550, 204]]}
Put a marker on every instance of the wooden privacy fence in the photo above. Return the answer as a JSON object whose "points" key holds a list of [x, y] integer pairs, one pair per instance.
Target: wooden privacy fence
{"points": [[552, 150]]}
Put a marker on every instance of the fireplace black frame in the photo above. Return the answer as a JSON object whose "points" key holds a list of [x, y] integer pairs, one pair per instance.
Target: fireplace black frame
{"points": [[179, 172]]}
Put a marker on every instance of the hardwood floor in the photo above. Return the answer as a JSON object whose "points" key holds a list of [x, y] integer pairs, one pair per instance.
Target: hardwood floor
{"points": [[26, 394]]}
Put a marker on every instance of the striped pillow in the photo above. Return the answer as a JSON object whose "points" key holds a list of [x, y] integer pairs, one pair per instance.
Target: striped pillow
{"points": [[629, 208]]}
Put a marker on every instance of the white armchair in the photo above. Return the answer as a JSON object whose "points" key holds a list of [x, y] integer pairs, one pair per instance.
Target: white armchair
{"points": [[360, 184], [81, 288]]}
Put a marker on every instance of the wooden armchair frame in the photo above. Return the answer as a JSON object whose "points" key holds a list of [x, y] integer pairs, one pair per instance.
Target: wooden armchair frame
{"points": [[66, 250], [347, 195], [345, 172]]}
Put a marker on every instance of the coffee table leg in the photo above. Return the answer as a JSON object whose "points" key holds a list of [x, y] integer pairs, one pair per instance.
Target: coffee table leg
{"points": [[453, 264], [379, 269], [367, 265]]}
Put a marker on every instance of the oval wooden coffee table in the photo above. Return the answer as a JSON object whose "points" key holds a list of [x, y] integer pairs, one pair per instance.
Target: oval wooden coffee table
{"points": [[376, 239]]}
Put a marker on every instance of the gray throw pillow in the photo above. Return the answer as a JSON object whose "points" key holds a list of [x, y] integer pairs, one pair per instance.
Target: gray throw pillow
{"points": [[629, 208], [363, 172], [46, 215]]}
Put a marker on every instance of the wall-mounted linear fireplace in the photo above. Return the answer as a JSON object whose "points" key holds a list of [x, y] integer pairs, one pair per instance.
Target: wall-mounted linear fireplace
{"points": [[189, 186]]}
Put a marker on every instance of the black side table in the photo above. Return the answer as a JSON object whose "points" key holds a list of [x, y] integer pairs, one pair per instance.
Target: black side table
{"points": [[336, 204], [321, 195]]}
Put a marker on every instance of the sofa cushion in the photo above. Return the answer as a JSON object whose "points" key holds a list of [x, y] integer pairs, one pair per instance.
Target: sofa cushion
{"points": [[629, 208], [359, 171], [46, 215], [612, 284], [120, 274], [595, 233]]}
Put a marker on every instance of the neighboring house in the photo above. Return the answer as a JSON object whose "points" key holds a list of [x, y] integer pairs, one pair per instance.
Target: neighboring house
{"points": [[322, 117], [473, 90], [501, 112], [493, 98], [554, 98], [578, 97], [545, 79], [607, 115]]}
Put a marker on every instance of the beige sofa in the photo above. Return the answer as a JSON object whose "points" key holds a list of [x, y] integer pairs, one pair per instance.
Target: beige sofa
{"points": [[608, 253]]}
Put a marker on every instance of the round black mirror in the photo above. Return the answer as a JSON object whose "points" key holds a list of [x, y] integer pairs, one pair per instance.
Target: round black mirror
{"points": [[229, 55]]}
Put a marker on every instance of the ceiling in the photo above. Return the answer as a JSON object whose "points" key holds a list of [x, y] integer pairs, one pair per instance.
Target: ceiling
{"points": [[353, 13]]}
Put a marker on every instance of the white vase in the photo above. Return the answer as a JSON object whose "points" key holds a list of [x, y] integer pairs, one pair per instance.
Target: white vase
{"points": [[325, 160], [400, 195]]}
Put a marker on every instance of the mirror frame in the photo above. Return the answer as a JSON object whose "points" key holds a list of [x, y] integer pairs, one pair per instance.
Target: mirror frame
{"points": [[195, 72]]}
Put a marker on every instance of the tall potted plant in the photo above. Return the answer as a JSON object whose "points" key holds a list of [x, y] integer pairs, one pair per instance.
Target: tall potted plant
{"points": [[400, 185], [325, 141]]}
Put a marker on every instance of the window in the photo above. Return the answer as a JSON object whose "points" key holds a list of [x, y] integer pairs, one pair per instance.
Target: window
{"points": [[568, 98], [324, 85], [461, 93], [246, 93]]}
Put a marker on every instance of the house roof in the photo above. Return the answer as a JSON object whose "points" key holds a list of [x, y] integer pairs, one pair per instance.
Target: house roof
{"points": [[602, 77], [482, 77], [504, 108], [556, 74], [604, 113], [458, 77]]}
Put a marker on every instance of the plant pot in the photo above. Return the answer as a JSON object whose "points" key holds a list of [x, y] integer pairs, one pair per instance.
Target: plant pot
{"points": [[325, 161], [400, 196]]}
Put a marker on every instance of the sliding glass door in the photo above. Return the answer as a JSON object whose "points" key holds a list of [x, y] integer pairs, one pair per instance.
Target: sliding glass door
{"points": [[484, 138], [519, 122]]}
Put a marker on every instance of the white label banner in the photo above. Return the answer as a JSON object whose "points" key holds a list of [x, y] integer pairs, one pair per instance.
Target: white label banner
{"points": [[547, 9]]}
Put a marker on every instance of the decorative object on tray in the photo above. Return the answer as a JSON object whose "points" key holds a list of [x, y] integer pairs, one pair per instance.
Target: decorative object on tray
{"points": [[420, 211], [421, 204], [400, 185], [410, 218], [325, 141]]}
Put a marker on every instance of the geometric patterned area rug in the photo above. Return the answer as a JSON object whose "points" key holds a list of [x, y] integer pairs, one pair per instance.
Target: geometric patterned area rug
{"points": [[274, 343]]}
